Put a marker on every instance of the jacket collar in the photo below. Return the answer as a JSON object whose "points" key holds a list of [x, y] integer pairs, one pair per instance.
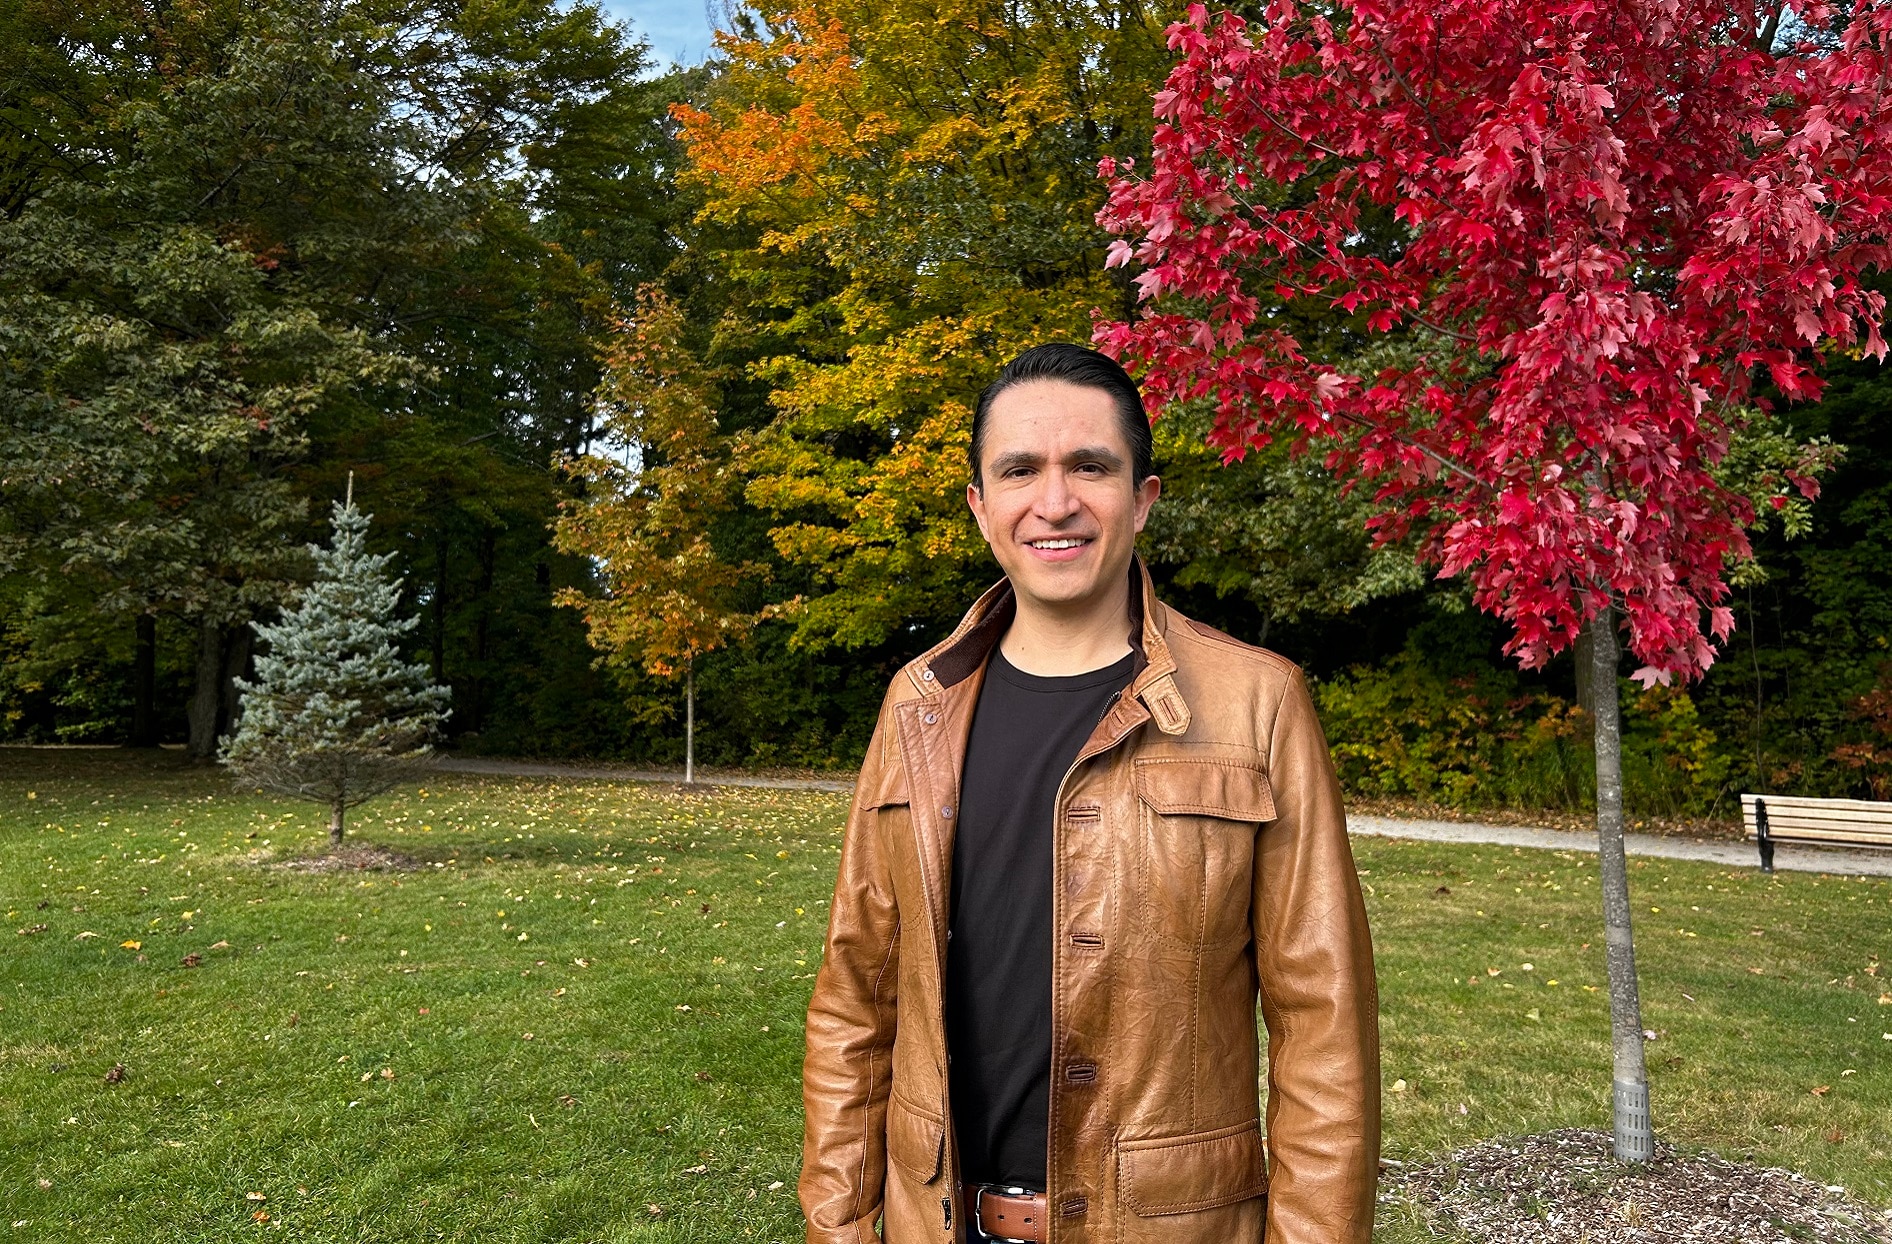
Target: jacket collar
{"points": [[1152, 677]]}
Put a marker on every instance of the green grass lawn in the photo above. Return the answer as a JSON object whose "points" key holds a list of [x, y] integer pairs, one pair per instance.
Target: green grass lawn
{"points": [[581, 1018]]}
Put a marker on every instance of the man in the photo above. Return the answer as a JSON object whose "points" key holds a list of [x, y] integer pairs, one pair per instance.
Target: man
{"points": [[1088, 834]]}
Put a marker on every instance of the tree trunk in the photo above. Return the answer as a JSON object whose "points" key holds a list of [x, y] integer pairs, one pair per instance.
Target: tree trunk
{"points": [[437, 607], [335, 812], [144, 684], [689, 726], [482, 626], [1635, 1142], [238, 642], [207, 698]]}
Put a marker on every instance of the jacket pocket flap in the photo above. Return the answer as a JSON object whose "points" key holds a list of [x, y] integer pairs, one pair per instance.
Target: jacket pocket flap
{"points": [[1232, 791], [914, 1141], [1177, 1174], [884, 789]]}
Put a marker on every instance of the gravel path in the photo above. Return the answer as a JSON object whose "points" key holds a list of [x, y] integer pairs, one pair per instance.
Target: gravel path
{"points": [[1734, 854]]}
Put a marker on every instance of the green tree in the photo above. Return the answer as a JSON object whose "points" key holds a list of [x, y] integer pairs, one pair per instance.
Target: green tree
{"points": [[401, 223], [336, 715]]}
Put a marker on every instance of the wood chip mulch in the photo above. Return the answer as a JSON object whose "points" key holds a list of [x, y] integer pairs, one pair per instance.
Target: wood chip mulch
{"points": [[352, 858], [1564, 1187]]}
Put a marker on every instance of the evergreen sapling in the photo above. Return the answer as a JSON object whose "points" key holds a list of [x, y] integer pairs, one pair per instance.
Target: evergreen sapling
{"points": [[335, 716]]}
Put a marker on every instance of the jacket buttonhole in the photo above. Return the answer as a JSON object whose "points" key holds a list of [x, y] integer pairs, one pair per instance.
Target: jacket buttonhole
{"points": [[1073, 1206]]}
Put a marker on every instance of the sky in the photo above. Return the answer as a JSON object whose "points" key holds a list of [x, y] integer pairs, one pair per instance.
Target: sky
{"points": [[677, 30]]}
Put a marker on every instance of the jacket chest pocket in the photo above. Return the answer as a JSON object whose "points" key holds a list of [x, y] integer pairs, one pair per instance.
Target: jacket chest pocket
{"points": [[1195, 849]]}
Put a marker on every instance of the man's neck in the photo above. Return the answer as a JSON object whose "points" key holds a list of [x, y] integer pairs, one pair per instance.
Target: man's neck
{"points": [[1057, 643]]}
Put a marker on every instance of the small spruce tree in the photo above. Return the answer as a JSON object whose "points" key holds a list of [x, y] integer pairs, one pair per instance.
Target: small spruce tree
{"points": [[335, 716]]}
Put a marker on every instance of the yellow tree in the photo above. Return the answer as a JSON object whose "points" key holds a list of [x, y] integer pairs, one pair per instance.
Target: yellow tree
{"points": [[659, 475], [910, 186]]}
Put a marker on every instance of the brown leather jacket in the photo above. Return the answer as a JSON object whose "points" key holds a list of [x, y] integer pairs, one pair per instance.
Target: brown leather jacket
{"points": [[1202, 861]]}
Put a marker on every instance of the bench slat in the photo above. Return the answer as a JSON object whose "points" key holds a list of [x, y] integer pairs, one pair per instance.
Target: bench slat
{"points": [[1795, 803], [1860, 822], [1810, 818], [1820, 835]]}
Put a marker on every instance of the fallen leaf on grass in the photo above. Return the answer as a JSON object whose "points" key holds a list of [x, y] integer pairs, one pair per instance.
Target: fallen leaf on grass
{"points": [[567, 1100], [696, 1170], [654, 1210], [261, 1215], [220, 945], [776, 1186], [191, 960], [116, 1075], [1835, 1136], [31, 929], [131, 945], [1821, 1090], [81, 937], [255, 1196]]}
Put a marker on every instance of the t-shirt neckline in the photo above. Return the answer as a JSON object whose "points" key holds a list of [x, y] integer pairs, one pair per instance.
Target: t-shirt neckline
{"points": [[1116, 671]]}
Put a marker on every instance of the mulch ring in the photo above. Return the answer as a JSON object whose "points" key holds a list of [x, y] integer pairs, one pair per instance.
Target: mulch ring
{"points": [[352, 857], [1564, 1187]]}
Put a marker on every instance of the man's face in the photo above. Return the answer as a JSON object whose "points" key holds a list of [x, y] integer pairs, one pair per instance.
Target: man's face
{"points": [[1059, 506]]}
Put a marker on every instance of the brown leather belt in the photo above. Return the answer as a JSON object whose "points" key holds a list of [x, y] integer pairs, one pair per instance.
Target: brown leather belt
{"points": [[1008, 1215]]}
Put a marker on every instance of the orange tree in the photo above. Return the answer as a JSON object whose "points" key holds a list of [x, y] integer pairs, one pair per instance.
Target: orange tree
{"points": [[653, 486], [902, 196]]}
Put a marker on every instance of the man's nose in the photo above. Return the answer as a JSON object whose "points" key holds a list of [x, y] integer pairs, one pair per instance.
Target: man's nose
{"points": [[1056, 501]]}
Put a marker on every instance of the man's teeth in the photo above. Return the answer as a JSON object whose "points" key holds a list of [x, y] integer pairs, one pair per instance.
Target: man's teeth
{"points": [[1056, 544]]}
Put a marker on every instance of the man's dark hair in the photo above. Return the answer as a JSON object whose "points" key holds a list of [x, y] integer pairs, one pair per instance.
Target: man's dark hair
{"points": [[1073, 364]]}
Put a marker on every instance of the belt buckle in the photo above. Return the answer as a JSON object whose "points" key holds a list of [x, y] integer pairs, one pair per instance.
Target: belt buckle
{"points": [[978, 1215]]}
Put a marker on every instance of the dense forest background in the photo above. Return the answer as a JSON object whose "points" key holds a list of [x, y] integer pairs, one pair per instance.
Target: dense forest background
{"points": [[247, 249]]}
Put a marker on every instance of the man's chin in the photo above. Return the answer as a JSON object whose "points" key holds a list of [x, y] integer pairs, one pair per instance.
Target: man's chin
{"points": [[1056, 591]]}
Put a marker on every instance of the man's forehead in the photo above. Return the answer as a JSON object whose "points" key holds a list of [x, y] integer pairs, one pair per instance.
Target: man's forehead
{"points": [[1055, 416]]}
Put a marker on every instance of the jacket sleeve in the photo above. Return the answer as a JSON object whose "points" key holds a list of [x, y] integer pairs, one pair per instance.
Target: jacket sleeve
{"points": [[847, 1070], [1314, 961]]}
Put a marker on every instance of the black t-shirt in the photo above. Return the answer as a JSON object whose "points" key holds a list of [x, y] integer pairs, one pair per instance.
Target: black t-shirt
{"points": [[1026, 731]]}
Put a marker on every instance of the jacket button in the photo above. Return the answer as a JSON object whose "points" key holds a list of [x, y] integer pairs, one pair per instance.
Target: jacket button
{"points": [[926, 676], [947, 812], [930, 718]]}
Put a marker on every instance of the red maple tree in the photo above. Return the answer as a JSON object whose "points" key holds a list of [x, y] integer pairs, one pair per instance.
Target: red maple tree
{"points": [[1593, 224], [1569, 239]]}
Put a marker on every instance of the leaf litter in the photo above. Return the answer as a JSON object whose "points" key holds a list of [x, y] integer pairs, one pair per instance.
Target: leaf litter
{"points": [[1565, 1187]]}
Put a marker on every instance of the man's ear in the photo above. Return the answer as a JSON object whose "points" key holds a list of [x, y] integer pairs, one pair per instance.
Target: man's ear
{"points": [[975, 501], [1147, 493]]}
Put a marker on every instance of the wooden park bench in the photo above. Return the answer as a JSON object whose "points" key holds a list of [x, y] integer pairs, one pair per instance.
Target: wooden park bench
{"points": [[1793, 818]]}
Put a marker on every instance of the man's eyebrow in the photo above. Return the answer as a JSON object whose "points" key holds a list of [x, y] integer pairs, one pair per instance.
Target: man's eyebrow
{"points": [[1102, 454]]}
